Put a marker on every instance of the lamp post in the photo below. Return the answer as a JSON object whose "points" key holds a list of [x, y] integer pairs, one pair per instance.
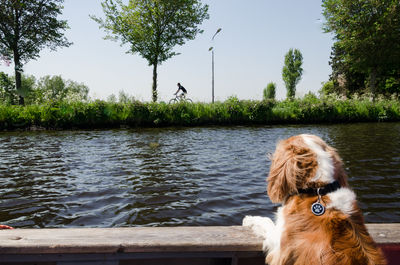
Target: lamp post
{"points": [[212, 64]]}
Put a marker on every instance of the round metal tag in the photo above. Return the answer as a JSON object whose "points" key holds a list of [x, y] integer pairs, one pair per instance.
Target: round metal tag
{"points": [[317, 208]]}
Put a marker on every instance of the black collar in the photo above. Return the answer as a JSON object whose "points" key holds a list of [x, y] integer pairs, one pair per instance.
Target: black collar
{"points": [[331, 187]]}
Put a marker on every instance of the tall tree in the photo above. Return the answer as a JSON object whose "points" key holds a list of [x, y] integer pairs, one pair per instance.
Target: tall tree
{"points": [[153, 27], [367, 34], [28, 26], [292, 71]]}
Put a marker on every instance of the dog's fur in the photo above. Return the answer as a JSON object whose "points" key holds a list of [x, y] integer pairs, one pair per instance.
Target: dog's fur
{"points": [[337, 237]]}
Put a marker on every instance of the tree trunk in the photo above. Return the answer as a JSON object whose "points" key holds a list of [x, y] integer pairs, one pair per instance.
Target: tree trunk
{"points": [[154, 90], [17, 58], [18, 83], [291, 91]]}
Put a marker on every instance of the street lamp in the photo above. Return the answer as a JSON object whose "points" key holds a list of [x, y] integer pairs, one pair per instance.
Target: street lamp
{"points": [[212, 63]]}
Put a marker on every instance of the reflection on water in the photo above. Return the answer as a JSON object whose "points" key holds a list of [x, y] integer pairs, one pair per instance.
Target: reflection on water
{"points": [[170, 176]]}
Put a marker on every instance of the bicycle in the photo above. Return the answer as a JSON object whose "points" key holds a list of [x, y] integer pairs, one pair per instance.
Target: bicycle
{"points": [[180, 98]]}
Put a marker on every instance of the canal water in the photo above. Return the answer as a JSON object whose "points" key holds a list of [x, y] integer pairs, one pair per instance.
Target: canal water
{"points": [[177, 176]]}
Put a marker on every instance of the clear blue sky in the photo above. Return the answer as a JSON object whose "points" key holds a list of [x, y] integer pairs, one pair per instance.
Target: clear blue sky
{"points": [[249, 52]]}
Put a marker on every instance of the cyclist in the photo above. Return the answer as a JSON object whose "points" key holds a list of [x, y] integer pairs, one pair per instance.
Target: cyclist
{"points": [[184, 91]]}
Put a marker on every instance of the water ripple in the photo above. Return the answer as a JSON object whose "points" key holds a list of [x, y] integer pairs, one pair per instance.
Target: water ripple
{"points": [[176, 176]]}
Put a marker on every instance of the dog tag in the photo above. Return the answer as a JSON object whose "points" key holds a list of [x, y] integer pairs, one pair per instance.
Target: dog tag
{"points": [[317, 208]]}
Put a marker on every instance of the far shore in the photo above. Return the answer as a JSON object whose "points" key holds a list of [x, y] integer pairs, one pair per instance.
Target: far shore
{"points": [[102, 114]]}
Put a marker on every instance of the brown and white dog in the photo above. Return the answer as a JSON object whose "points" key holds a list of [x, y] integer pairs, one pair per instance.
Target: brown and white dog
{"points": [[319, 221]]}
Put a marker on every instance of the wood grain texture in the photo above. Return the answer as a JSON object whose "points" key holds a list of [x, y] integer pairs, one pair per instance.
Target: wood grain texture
{"points": [[385, 233], [150, 239], [125, 240]]}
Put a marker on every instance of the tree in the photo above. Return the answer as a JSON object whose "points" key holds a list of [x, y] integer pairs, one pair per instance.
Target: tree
{"points": [[26, 27], [153, 27], [346, 79], [56, 89], [269, 91], [292, 71], [327, 88], [367, 34]]}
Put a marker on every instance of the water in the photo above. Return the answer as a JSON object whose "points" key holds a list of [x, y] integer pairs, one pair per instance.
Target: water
{"points": [[177, 176]]}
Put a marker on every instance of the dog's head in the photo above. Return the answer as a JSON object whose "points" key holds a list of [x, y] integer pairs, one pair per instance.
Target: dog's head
{"points": [[300, 162]]}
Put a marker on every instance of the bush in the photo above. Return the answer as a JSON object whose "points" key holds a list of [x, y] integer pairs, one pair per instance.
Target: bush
{"points": [[102, 114], [46, 89], [8, 92], [327, 88], [269, 91]]}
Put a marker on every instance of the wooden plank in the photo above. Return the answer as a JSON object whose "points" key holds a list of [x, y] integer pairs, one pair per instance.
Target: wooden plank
{"points": [[149, 239], [125, 240], [385, 233]]}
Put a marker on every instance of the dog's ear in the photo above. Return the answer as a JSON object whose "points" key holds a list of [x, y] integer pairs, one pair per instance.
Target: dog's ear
{"points": [[281, 181], [292, 165]]}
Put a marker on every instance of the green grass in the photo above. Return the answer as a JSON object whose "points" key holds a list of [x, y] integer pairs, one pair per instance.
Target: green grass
{"points": [[101, 114]]}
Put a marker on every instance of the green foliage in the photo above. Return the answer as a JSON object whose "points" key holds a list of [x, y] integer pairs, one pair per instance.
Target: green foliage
{"points": [[27, 27], [125, 98], [112, 98], [102, 114], [8, 93], [153, 28], [346, 79], [269, 91], [292, 71], [327, 88], [56, 89], [367, 48], [46, 89], [390, 84], [34, 28], [28, 85]]}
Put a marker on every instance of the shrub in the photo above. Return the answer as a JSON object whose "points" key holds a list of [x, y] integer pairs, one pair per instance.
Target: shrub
{"points": [[269, 91], [327, 88], [102, 114]]}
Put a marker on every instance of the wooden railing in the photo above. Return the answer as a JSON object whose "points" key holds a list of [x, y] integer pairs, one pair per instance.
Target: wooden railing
{"points": [[152, 245]]}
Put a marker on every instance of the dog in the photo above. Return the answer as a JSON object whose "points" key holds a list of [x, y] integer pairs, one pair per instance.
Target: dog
{"points": [[319, 221]]}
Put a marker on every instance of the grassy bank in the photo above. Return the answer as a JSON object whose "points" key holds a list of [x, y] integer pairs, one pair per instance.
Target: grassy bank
{"points": [[101, 114]]}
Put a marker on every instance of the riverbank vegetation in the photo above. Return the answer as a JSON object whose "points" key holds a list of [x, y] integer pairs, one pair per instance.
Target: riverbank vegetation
{"points": [[106, 114], [365, 56], [366, 65]]}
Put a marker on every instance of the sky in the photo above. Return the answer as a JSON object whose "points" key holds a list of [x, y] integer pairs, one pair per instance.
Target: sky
{"points": [[249, 53]]}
